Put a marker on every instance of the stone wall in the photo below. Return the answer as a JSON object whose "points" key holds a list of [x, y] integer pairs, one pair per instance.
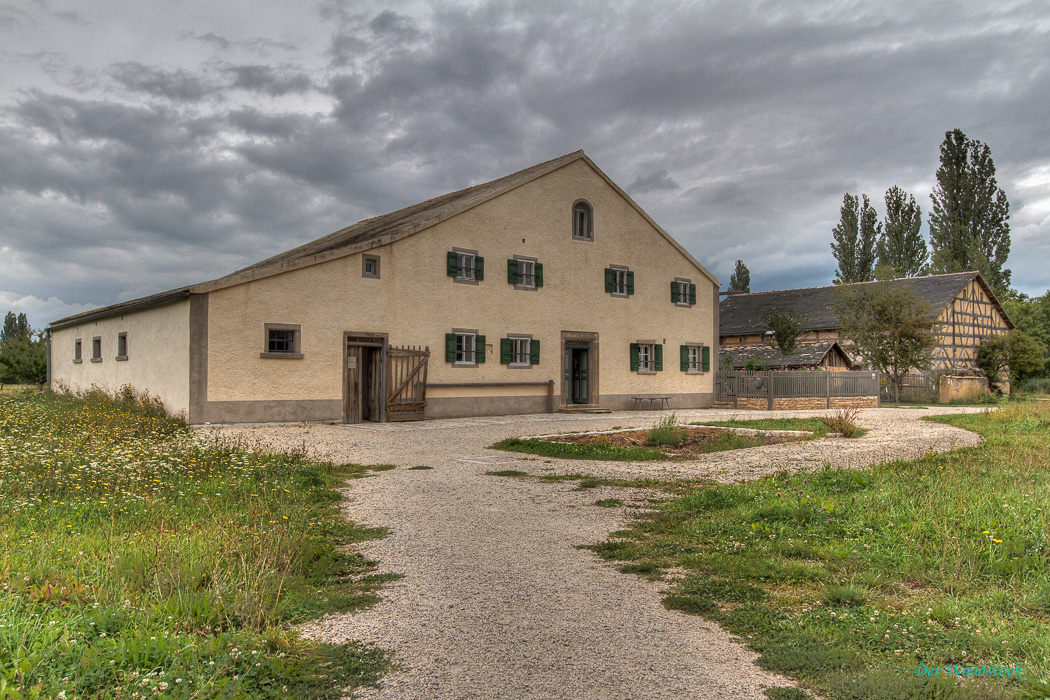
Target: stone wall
{"points": [[962, 388], [854, 401], [800, 404]]}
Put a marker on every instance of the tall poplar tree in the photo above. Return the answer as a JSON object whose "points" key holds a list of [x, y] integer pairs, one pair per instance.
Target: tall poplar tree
{"points": [[901, 249], [854, 240], [969, 227], [740, 280]]}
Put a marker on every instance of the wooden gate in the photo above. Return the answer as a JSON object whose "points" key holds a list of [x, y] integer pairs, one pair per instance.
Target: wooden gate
{"points": [[407, 383]]}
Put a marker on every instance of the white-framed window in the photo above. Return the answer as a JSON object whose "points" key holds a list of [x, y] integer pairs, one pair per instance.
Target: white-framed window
{"points": [[282, 341], [520, 352], [466, 350], [683, 292], [527, 273], [619, 281], [695, 358], [464, 347], [465, 266], [122, 345], [647, 357], [370, 266], [78, 350], [582, 221]]}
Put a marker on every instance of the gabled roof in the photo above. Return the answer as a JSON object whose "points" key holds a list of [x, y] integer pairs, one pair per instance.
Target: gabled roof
{"points": [[742, 314], [377, 231], [805, 355]]}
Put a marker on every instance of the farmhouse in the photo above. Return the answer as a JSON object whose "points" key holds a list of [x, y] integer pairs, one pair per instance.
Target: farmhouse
{"points": [[965, 310], [547, 289]]}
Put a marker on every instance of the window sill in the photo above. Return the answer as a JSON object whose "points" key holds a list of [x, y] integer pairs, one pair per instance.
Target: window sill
{"points": [[584, 239], [683, 305], [121, 358], [519, 366], [465, 280], [96, 359], [647, 371], [465, 365], [77, 362], [526, 288], [617, 295], [694, 371], [281, 355]]}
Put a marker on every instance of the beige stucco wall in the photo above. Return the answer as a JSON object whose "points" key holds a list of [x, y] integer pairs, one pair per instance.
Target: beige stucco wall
{"points": [[158, 355], [416, 303]]}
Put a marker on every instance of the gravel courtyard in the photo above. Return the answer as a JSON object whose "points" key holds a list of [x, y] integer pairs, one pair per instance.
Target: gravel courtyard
{"points": [[497, 601]]}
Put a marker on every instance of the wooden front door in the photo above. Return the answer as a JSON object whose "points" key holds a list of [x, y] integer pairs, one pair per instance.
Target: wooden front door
{"points": [[577, 371], [363, 392]]}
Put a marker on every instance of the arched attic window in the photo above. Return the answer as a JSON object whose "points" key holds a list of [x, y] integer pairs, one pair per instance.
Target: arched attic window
{"points": [[582, 221]]}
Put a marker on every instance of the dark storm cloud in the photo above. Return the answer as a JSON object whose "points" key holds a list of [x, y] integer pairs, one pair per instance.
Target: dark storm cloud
{"points": [[737, 125], [179, 85], [270, 81]]}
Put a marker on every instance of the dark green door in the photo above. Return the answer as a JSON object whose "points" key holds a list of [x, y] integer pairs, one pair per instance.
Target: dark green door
{"points": [[581, 391]]}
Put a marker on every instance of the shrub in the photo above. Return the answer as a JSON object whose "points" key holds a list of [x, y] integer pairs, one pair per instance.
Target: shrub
{"points": [[843, 421], [667, 431]]}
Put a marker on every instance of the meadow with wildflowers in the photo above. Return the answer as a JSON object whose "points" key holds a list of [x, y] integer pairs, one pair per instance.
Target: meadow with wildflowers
{"points": [[142, 560], [847, 580]]}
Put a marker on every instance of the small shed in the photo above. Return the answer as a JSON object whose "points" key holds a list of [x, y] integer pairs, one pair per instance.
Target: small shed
{"points": [[823, 355]]}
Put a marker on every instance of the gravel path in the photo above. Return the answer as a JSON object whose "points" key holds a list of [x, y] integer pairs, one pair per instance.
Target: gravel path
{"points": [[498, 602]]}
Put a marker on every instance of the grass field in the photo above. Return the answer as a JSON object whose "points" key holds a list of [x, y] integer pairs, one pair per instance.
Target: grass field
{"points": [[849, 580], [141, 560]]}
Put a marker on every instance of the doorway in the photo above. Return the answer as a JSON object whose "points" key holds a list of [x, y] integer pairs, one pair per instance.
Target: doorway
{"points": [[363, 385], [579, 390]]}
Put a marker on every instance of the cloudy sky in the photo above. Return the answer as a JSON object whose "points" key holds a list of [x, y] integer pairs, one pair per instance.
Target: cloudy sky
{"points": [[147, 145]]}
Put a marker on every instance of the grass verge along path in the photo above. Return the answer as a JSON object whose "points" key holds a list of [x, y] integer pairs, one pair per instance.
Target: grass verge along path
{"points": [[142, 560], [849, 580]]}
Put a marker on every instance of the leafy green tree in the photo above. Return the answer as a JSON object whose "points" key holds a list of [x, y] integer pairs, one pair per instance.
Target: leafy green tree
{"points": [[854, 240], [787, 326], [889, 325], [24, 360], [969, 227], [15, 328], [1029, 315], [740, 280], [901, 248], [1017, 351], [725, 362]]}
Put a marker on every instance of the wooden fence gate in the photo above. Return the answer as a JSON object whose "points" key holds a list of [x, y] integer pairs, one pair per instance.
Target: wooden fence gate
{"points": [[407, 382]]}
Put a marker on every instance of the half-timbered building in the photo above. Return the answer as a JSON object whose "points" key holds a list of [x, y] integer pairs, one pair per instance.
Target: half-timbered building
{"points": [[964, 310]]}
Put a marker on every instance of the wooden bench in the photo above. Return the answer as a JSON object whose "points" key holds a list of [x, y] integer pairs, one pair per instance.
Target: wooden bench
{"points": [[652, 400]]}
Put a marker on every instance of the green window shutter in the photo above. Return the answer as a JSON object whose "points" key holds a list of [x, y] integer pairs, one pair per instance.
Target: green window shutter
{"points": [[450, 347], [705, 359], [674, 292], [610, 279], [534, 352], [504, 351], [512, 272], [658, 354], [634, 357], [692, 295], [685, 357], [451, 263], [479, 268], [630, 283], [539, 274], [479, 349]]}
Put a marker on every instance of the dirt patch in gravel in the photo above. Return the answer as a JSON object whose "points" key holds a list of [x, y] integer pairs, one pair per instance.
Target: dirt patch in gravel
{"points": [[699, 441]]}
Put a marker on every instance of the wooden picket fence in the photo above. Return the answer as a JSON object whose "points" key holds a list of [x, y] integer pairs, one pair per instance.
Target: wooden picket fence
{"points": [[788, 384]]}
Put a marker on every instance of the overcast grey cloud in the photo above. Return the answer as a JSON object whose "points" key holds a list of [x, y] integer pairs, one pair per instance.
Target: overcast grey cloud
{"points": [[143, 147]]}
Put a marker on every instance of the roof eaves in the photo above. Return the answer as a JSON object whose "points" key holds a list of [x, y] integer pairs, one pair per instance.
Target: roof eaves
{"points": [[125, 307]]}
